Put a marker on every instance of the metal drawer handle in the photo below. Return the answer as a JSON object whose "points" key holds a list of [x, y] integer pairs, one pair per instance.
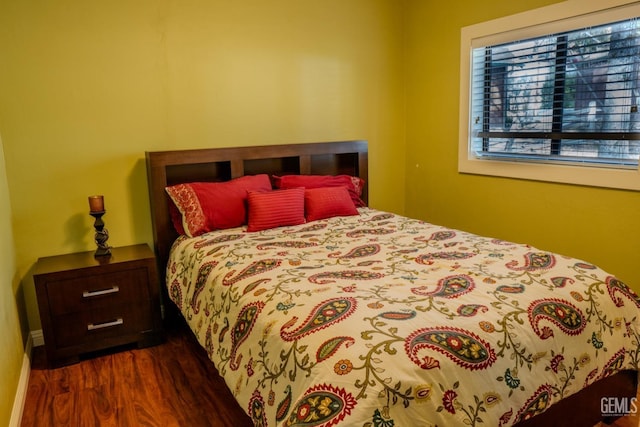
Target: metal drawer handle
{"points": [[111, 290], [93, 327]]}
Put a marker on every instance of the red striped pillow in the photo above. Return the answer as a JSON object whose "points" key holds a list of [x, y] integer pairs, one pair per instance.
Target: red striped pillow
{"points": [[275, 208]]}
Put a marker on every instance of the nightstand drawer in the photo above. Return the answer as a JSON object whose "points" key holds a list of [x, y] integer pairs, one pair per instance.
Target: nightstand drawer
{"points": [[97, 291], [86, 326]]}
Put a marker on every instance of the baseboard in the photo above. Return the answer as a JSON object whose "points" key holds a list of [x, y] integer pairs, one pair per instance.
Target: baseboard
{"points": [[23, 383], [38, 338]]}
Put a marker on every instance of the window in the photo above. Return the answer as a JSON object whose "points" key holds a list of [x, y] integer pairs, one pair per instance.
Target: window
{"points": [[556, 100], [571, 96]]}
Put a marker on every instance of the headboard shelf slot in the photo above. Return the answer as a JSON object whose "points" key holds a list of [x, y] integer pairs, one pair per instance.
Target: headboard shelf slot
{"points": [[199, 172], [334, 164], [273, 166]]}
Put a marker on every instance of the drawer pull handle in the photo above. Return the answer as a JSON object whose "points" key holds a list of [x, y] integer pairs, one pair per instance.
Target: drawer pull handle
{"points": [[93, 327], [111, 290]]}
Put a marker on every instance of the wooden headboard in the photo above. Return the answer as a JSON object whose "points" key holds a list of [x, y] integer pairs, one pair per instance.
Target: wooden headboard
{"points": [[165, 168]]}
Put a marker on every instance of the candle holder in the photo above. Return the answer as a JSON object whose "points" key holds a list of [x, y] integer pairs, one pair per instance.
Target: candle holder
{"points": [[102, 235]]}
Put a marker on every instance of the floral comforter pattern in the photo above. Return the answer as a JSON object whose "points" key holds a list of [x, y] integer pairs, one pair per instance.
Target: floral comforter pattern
{"points": [[382, 320]]}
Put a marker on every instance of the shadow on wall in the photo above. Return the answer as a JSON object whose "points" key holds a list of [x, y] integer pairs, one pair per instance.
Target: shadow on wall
{"points": [[21, 308], [77, 241], [27, 315], [139, 201]]}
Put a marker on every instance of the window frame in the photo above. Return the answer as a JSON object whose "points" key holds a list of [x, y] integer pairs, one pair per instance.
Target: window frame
{"points": [[568, 15]]}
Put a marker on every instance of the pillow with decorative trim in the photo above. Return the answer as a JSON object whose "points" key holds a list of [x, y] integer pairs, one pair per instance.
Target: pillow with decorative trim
{"points": [[207, 206], [327, 202], [354, 184], [277, 208], [176, 217]]}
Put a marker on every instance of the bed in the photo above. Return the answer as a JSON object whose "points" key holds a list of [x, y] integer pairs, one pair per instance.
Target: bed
{"points": [[375, 319]]}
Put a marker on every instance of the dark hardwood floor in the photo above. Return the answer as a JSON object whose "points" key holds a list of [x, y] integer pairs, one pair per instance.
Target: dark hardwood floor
{"points": [[157, 386], [172, 384]]}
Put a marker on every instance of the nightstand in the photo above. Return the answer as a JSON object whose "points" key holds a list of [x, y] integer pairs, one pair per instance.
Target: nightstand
{"points": [[90, 303]]}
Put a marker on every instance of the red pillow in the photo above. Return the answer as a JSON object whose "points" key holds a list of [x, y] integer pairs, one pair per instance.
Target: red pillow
{"points": [[353, 184], [176, 217], [207, 206], [275, 208], [327, 202]]}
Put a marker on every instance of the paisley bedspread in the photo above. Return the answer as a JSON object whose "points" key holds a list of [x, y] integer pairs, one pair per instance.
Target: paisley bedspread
{"points": [[381, 320]]}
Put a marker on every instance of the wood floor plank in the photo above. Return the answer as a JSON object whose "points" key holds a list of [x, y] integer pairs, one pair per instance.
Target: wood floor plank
{"points": [[102, 413], [63, 410], [37, 402], [170, 385]]}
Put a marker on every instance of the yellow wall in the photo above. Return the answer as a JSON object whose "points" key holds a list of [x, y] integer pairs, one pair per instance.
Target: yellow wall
{"points": [[12, 350], [88, 87], [599, 225]]}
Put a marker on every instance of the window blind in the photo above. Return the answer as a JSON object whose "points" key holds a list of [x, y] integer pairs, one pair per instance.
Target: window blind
{"points": [[570, 97]]}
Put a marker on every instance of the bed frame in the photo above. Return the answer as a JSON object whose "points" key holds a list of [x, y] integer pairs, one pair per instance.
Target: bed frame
{"points": [[165, 168]]}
